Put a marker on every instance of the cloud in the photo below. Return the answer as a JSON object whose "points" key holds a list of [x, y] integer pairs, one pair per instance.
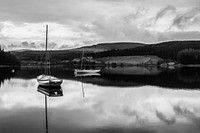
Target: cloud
{"points": [[162, 12], [22, 45], [117, 28], [13, 33], [76, 23], [38, 11], [190, 18], [178, 35], [50, 45], [69, 46], [28, 45], [12, 46]]}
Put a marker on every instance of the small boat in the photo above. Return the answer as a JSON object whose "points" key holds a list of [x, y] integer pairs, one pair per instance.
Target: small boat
{"points": [[46, 79], [87, 74], [83, 70], [87, 70]]}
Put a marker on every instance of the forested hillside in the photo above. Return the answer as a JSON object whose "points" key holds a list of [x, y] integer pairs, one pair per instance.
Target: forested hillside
{"points": [[165, 50], [6, 58], [60, 55]]}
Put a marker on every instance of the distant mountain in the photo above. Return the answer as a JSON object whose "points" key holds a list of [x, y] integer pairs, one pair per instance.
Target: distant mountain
{"points": [[37, 55], [110, 46], [165, 50], [21, 50]]}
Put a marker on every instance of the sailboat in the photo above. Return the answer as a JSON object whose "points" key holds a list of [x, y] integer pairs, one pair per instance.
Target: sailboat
{"points": [[83, 71], [46, 79]]}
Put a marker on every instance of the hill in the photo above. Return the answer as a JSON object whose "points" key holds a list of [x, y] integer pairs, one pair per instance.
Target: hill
{"points": [[165, 50], [101, 47], [60, 55]]}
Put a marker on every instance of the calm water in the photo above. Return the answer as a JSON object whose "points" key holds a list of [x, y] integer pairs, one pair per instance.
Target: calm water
{"points": [[141, 100]]}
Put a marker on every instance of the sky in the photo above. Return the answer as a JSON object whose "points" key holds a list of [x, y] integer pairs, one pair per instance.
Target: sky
{"points": [[76, 23]]}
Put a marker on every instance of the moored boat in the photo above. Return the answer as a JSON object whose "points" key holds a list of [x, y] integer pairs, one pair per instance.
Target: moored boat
{"points": [[46, 79]]}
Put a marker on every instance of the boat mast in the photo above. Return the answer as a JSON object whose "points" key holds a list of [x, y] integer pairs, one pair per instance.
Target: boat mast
{"points": [[46, 60], [46, 37]]}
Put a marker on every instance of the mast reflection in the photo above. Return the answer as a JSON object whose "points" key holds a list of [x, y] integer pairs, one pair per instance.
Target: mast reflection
{"points": [[50, 92]]}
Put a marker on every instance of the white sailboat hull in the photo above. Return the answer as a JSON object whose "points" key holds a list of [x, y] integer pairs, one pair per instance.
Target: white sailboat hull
{"points": [[86, 74], [47, 80], [86, 71]]}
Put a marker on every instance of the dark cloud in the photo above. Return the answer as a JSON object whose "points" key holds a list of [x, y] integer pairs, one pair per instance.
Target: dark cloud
{"points": [[51, 45], [24, 45], [64, 47], [12, 45], [162, 12], [28, 45], [187, 19], [31, 45]]}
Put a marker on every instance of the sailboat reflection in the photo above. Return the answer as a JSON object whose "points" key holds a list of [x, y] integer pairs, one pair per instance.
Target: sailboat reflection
{"points": [[86, 74], [53, 91], [82, 88], [50, 92]]}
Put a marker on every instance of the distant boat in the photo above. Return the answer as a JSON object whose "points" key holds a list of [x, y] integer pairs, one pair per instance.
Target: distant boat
{"points": [[87, 71], [82, 70], [86, 74], [46, 79]]}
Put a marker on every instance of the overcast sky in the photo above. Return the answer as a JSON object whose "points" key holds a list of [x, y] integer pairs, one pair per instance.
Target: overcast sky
{"points": [[74, 23]]}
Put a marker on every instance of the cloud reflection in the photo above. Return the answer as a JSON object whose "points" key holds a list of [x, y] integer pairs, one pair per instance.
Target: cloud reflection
{"points": [[105, 106]]}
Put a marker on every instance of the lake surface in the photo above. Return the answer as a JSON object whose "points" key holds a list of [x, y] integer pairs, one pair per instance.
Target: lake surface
{"points": [[120, 100]]}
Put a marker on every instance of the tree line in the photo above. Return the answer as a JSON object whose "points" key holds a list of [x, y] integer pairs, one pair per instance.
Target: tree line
{"points": [[166, 50], [189, 56], [6, 58]]}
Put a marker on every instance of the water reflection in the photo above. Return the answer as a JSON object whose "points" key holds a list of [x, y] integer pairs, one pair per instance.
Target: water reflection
{"points": [[133, 70], [185, 77], [6, 73], [50, 92], [189, 74], [103, 109]]}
